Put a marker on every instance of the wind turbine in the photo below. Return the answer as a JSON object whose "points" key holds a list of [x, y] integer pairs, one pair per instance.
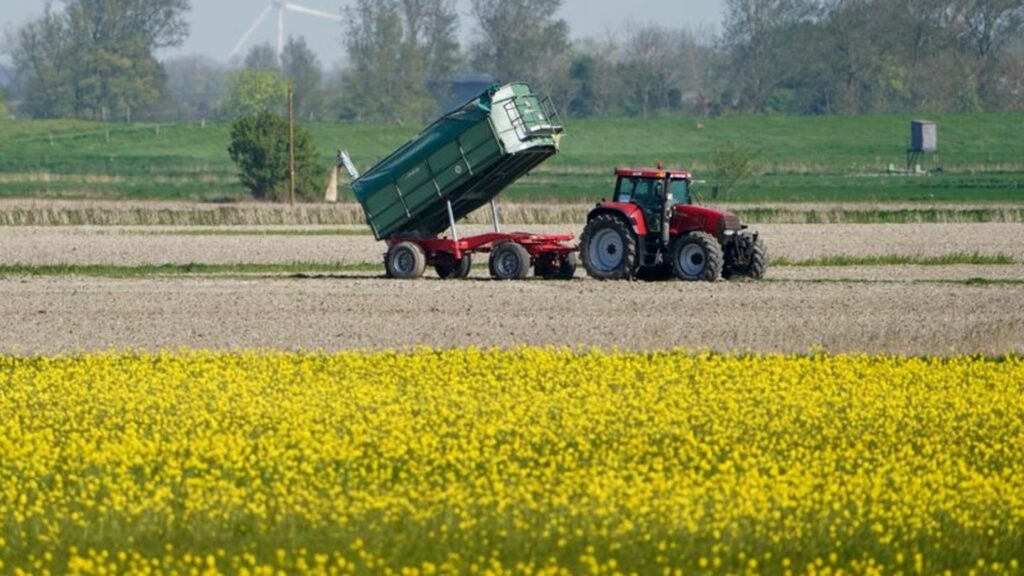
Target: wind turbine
{"points": [[281, 6]]}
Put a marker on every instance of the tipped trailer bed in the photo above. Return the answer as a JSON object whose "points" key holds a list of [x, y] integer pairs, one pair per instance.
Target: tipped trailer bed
{"points": [[455, 166]]}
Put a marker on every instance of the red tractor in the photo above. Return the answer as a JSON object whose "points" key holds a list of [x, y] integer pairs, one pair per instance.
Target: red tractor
{"points": [[652, 229]]}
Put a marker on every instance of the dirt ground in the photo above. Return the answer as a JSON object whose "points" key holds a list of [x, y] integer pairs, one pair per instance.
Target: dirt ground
{"points": [[877, 309], [67, 314], [166, 245]]}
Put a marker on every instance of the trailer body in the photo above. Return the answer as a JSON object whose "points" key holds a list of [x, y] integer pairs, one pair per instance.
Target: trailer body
{"points": [[458, 164]]}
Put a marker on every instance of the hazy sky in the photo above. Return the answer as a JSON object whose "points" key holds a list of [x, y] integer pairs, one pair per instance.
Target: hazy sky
{"points": [[218, 24]]}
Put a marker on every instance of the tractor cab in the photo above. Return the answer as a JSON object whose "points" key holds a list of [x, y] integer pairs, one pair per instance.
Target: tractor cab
{"points": [[646, 188]]}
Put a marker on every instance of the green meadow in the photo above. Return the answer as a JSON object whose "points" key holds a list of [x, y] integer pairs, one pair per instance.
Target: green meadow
{"points": [[795, 159]]}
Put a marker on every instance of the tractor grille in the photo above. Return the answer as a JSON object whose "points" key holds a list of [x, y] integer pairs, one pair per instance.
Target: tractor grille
{"points": [[732, 222]]}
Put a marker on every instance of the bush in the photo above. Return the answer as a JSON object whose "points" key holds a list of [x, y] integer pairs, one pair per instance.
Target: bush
{"points": [[259, 146], [733, 165], [252, 91]]}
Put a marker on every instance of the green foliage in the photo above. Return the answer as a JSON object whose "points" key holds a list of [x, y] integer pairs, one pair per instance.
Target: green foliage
{"points": [[3, 103], [300, 66], [394, 47], [95, 58], [254, 91], [733, 165], [262, 57], [519, 38], [259, 147]]}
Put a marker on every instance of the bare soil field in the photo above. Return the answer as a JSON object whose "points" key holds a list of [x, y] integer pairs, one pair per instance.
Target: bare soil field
{"points": [[45, 245], [67, 314], [884, 309]]}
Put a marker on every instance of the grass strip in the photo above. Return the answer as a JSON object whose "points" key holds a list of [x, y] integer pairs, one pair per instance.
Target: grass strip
{"points": [[976, 281], [117, 271], [959, 258]]}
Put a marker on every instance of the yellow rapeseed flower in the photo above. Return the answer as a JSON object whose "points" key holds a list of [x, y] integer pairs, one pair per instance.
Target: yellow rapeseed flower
{"points": [[542, 461]]}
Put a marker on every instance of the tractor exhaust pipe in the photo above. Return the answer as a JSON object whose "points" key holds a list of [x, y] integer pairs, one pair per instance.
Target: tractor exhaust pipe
{"points": [[666, 217]]}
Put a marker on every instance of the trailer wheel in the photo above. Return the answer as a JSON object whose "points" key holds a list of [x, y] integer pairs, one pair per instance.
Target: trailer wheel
{"points": [[563, 268], [567, 270], [509, 261], [459, 270], [697, 256], [405, 261]]}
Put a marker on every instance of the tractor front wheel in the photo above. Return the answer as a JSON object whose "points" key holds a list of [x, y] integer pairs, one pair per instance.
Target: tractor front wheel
{"points": [[697, 256], [758, 261], [608, 247]]}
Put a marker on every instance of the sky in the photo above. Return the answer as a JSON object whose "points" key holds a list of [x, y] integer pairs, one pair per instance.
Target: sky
{"points": [[217, 25]]}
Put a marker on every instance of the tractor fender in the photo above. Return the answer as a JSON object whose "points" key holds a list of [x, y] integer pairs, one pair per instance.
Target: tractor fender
{"points": [[631, 214]]}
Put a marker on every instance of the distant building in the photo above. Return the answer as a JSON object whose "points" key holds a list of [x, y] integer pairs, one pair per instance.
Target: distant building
{"points": [[458, 89]]}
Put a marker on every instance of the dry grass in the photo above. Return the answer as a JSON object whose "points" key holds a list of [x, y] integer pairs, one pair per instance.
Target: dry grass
{"points": [[139, 213]]}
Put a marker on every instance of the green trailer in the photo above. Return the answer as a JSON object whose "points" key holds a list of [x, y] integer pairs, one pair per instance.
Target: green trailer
{"points": [[453, 167], [464, 159]]}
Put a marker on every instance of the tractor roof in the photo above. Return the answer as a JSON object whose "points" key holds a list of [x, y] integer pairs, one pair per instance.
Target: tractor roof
{"points": [[653, 173]]}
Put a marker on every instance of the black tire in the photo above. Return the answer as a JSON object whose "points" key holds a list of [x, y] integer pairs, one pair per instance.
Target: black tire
{"points": [[697, 256], [567, 271], [609, 248], [562, 269], [509, 261], [405, 261], [754, 268], [758, 261], [457, 271]]}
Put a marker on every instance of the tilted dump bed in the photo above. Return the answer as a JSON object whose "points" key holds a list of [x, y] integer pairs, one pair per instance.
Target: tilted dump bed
{"points": [[467, 157]]}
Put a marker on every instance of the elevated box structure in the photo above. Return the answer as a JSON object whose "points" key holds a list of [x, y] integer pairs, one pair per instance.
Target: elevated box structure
{"points": [[924, 142], [459, 163], [924, 136]]}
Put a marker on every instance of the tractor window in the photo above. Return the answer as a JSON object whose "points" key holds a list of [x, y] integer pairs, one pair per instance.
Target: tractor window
{"points": [[680, 191], [649, 193], [624, 191]]}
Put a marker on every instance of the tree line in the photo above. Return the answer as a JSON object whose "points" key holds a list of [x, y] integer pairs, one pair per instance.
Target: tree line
{"points": [[96, 59]]}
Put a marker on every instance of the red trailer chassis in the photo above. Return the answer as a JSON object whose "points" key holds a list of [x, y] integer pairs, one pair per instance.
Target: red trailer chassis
{"points": [[512, 254]]}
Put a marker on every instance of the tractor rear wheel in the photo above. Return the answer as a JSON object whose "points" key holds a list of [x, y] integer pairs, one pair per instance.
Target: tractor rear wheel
{"points": [[697, 256], [608, 247], [459, 270], [406, 261], [509, 261]]}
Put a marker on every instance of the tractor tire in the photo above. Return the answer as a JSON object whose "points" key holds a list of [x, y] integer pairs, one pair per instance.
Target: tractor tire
{"points": [[697, 256], [405, 261], [758, 261], [609, 248], [509, 261], [458, 271]]}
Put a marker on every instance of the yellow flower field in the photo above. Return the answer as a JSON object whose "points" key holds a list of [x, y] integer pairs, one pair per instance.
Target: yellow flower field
{"points": [[523, 461]]}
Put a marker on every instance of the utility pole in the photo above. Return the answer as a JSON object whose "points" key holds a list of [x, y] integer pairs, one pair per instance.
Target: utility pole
{"points": [[291, 142]]}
